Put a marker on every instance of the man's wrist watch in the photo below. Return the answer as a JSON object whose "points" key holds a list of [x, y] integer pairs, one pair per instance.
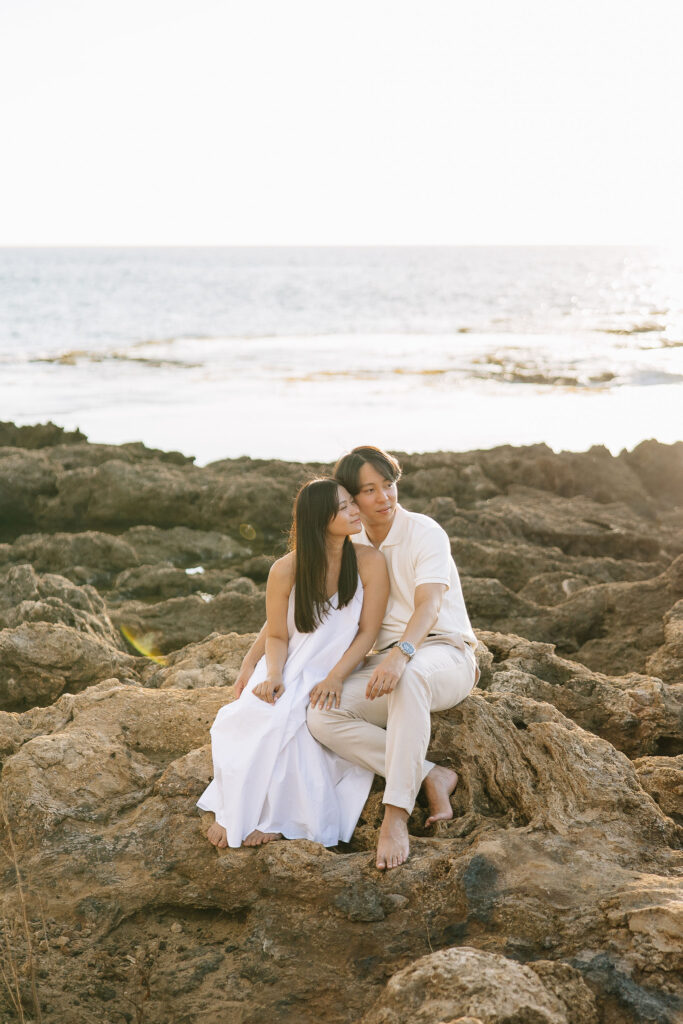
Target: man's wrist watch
{"points": [[407, 648]]}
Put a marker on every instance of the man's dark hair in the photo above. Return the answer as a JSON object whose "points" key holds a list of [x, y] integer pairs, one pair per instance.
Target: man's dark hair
{"points": [[348, 467]]}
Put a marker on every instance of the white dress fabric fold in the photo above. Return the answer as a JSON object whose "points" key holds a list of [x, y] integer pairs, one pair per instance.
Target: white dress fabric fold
{"points": [[269, 772]]}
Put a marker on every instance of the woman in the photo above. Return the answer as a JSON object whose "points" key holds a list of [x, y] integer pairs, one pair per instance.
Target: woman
{"points": [[325, 601]]}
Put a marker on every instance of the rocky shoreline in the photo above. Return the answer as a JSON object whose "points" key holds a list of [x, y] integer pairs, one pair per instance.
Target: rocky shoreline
{"points": [[131, 582]]}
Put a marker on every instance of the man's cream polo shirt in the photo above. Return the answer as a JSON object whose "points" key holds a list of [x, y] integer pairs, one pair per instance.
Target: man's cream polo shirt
{"points": [[417, 550]]}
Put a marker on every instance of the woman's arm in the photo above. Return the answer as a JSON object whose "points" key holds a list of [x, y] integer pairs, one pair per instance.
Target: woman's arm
{"points": [[250, 661], [373, 572], [278, 588]]}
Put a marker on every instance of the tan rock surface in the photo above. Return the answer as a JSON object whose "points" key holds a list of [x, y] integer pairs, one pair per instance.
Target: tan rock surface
{"points": [[26, 596], [638, 714], [610, 627], [667, 661], [40, 660], [555, 890], [163, 582], [179, 621], [555, 852], [211, 662], [465, 981], [662, 778], [61, 552]]}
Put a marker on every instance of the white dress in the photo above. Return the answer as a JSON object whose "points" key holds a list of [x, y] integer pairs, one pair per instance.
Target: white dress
{"points": [[269, 772]]}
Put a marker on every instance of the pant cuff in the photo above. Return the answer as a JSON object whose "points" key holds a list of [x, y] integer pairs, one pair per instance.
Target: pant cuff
{"points": [[399, 799]]}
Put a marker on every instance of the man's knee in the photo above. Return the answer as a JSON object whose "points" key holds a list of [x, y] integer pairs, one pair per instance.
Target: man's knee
{"points": [[414, 685], [437, 685]]}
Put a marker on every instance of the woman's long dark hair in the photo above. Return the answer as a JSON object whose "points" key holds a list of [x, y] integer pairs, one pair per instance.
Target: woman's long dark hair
{"points": [[314, 506]]}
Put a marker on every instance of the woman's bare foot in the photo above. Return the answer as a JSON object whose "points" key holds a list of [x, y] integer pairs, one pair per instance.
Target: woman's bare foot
{"points": [[217, 835], [394, 844], [438, 786], [257, 838]]}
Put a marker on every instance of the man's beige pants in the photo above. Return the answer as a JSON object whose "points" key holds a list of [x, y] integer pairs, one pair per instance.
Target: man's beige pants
{"points": [[390, 735]]}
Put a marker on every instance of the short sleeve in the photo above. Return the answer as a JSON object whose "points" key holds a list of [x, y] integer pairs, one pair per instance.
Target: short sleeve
{"points": [[433, 557]]}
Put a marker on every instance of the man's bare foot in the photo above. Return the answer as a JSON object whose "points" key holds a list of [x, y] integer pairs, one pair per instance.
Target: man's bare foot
{"points": [[438, 786], [257, 838], [217, 835], [394, 845]]}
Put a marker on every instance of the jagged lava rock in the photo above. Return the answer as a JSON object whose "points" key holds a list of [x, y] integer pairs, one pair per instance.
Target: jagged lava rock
{"points": [[96, 554], [637, 714], [662, 778], [575, 549], [557, 854], [613, 627], [667, 661], [563, 856], [98, 487], [40, 660], [211, 662], [239, 607], [40, 435], [26, 596], [164, 582]]}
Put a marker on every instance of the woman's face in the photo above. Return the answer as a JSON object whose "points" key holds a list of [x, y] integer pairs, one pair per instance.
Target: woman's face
{"points": [[347, 519]]}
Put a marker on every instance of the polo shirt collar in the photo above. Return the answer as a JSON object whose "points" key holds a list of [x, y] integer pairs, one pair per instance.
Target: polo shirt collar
{"points": [[397, 531]]}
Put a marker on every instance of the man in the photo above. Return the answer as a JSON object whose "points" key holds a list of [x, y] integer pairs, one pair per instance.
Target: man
{"points": [[424, 662]]}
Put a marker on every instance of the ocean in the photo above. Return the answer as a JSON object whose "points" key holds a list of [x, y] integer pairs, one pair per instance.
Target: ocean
{"points": [[301, 353]]}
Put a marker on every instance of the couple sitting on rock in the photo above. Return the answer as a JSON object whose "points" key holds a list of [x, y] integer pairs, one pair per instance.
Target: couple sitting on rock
{"points": [[317, 714]]}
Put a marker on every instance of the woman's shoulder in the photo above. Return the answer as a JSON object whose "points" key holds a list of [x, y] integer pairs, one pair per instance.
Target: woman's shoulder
{"points": [[367, 553], [370, 561], [283, 570]]}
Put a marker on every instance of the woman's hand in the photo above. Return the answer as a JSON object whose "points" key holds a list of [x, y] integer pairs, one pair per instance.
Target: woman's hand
{"points": [[326, 694], [386, 676], [270, 690], [243, 677]]}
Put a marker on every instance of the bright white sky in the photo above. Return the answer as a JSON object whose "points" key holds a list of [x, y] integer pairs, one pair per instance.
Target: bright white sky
{"points": [[340, 121]]}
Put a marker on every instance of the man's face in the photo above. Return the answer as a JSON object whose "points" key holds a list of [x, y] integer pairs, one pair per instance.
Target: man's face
{"points": [[376, 498]]}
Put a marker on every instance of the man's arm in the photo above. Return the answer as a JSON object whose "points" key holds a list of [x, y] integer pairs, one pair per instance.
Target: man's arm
{"points": [[250, 661], [428, 598]]}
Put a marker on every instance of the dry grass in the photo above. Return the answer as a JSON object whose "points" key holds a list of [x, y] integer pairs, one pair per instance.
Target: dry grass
{"points": [[17, 963]]}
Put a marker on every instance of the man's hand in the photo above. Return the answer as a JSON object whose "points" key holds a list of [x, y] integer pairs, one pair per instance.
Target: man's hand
{"points": [[386, 676], [270, 690], [326, 694]]}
